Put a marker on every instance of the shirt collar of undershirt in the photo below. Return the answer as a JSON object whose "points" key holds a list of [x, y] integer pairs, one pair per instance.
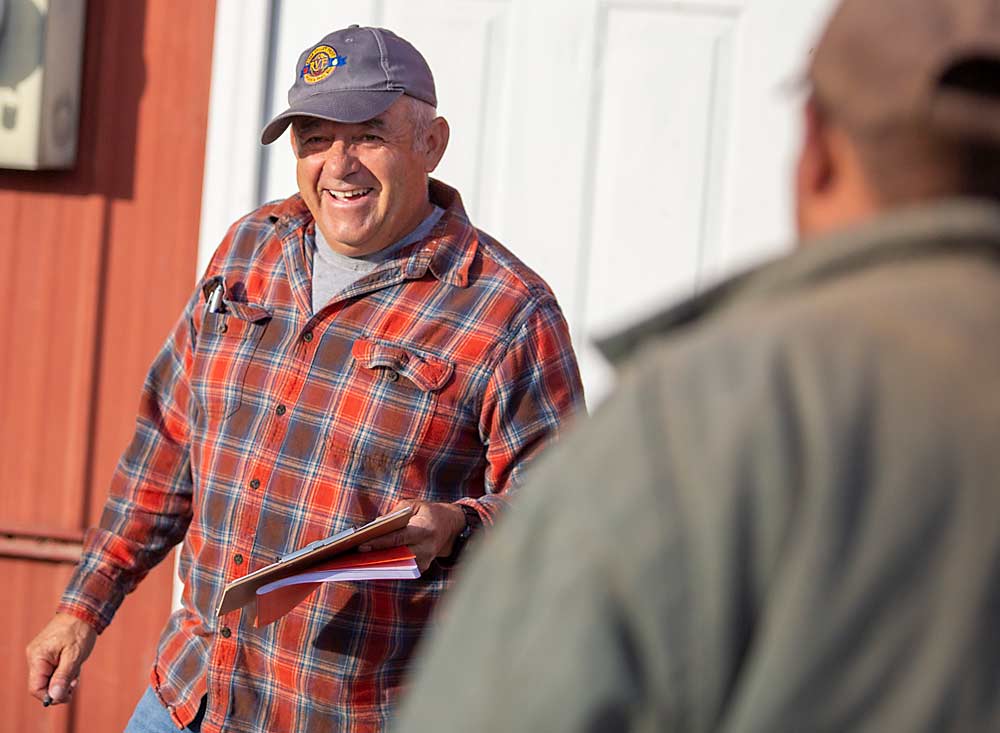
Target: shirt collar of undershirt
{"points": [[364, 262]]}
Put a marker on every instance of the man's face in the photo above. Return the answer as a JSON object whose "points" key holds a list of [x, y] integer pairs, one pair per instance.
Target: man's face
{"points": [[365, 184]]}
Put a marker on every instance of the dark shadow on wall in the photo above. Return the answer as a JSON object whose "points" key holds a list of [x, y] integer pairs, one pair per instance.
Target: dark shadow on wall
{"points": [[113, 81]]}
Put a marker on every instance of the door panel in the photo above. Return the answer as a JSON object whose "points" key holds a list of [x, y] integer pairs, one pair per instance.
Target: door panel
{"points": [[659, 118], [468, 52]]}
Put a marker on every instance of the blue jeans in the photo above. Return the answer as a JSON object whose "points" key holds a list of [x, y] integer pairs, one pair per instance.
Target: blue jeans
{"points": [[151, 717]]}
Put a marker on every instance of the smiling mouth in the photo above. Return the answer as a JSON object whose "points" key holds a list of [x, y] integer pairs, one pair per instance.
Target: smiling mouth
{"points": [[352, 195]]}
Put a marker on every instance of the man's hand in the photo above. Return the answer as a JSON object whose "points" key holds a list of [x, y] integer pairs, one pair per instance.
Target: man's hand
{"points": [[431, 532], [55, 656]]}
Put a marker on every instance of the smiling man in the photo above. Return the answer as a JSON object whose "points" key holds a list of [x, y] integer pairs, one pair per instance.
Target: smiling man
{"points": [[354, 348]]}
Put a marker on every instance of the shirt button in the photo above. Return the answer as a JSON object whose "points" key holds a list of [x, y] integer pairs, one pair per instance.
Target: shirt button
{"points": [[404, 358], [392, 375], [280, 409], [238, 559], [255, 483], [226, 633], [307, 336], [222, 327]]}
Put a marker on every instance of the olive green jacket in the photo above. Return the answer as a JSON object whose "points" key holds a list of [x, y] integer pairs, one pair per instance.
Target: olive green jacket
{"points": [[786, 519]]}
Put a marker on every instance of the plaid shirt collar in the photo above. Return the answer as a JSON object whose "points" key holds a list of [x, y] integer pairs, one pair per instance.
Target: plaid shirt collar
{"points": [[447, 252]]}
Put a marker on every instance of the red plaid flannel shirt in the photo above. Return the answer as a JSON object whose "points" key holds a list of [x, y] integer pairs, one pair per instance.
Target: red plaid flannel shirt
{"points": [[437, 377]]}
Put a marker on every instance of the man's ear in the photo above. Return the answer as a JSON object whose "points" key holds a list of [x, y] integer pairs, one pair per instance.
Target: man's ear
{"points": [[816, 167], [435, 143], [814, 172]]}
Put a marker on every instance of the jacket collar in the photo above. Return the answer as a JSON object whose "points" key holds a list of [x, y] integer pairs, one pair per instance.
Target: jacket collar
{"points": [[956, 225]]}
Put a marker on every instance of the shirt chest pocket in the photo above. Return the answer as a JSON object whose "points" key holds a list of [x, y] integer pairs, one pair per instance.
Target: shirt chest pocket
{"points": [[225, 348], [389, 405]]}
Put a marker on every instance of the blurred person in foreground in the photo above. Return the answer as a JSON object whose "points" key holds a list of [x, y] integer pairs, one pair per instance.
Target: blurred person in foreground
{"points": [[788, 517], [356, 347]]}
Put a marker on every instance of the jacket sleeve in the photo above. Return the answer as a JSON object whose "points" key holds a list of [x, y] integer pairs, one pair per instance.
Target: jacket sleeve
{"points": [[534, 390], [148, 509]]}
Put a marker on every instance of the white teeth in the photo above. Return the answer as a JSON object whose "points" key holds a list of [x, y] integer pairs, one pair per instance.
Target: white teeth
{"points": [[348, 195]]}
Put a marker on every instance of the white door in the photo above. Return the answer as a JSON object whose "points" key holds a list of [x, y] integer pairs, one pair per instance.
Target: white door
{"points": [[628, 150]]}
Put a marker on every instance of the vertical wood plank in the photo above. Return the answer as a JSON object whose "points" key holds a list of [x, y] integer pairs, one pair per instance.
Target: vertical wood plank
{"points": [[153, 235], [150, 271], [50, 250]]}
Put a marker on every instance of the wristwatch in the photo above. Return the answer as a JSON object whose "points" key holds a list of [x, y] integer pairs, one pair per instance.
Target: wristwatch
{"points": [[472, 522]]}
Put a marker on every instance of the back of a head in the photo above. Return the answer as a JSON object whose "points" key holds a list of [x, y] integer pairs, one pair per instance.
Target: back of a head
{"points": [[916, 86]]}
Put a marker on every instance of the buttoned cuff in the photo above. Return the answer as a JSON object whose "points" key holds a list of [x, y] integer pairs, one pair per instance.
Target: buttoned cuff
{"points": [[92, 597]]}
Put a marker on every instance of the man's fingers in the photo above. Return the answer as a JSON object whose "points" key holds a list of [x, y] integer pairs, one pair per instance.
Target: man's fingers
{"points": [[65, 674], [55, 657], [400, 537], [393, 539], [40, 672]]}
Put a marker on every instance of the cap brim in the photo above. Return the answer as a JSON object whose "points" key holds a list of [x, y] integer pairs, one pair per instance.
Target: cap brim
{"points": [[344, 106]]}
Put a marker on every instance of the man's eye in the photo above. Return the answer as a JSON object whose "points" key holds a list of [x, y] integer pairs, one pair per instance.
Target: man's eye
{"points": [[370, 138], [314, 142]]}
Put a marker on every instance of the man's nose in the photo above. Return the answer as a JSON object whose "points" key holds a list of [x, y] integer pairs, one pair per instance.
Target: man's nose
{"points": [[340, 160]]}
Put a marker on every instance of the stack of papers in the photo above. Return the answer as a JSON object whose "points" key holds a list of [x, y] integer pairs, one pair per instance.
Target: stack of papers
{"points": [[276, 599], [287, 582]]}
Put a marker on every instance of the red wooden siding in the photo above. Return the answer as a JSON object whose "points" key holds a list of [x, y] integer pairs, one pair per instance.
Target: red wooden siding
{"points": [[95, 264]]}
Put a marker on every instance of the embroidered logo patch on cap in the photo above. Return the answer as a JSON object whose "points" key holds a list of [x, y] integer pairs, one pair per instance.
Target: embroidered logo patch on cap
{"points": [[321, 62]]}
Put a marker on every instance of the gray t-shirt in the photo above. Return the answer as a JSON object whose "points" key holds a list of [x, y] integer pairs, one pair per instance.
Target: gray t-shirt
{"points": [[334, 272]]}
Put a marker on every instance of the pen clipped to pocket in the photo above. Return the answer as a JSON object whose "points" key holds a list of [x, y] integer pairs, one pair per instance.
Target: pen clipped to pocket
{"points": [[214, 291]]}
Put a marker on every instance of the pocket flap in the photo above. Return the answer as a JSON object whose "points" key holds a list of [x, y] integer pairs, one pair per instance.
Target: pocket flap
{"points": [[247, 311], [426, 372]]}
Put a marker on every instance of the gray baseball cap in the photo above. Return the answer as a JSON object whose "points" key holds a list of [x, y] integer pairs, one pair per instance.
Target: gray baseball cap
{"points": [[353, 75], [936, 62]]}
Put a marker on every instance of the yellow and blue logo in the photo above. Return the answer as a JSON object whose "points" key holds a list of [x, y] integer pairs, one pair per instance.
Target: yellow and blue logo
{"points": [[320, 63]]}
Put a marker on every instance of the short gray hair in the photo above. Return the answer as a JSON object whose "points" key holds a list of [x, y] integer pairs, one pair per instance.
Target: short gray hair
{"points": [[420, 115]]}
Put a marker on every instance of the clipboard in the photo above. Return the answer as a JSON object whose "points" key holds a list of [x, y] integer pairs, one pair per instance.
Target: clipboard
{"points": [[243, 590]]}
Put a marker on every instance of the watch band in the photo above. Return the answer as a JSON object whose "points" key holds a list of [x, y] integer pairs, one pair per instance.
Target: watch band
{"points": [[472, 522]]}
